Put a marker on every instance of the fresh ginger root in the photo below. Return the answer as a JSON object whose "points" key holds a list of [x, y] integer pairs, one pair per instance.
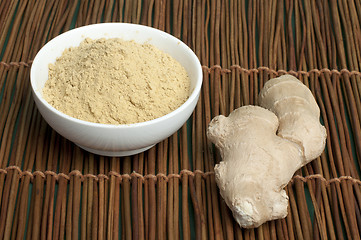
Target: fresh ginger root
{"points": [[256, 164], [261, 149]]}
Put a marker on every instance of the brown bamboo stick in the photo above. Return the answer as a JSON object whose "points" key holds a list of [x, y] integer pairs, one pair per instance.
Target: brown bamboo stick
{"points": [[126, 198], [205, 15], [168, 16], [278, 232], [16, 211], [197, 162], [152, 209], [140, 197], [164, 156], [234, 46], [64, 168], [108, 11], [300, 42], [283, 48], [208, 164], [324, 28], [120, 10], [100, 11], [156, 16], [90, 197], [277, 37], [289, 222], [47, 189], [291, 57], [115, 12], [101, 199], [28, 164], [30, 221], [79, 156], [51, 209], [244, 46], [14, 178], [94, 16], [4, 8], [271, 33], [38, 183], [72, 9], [95, 211], [89, 15], [329, 222], [162, 9], [225, 55], [245, 81], [24, 129], [319, 230], [22, 209], [55, 221], [196, 208], [84, 201], [185, 165], [116, 200], [138, 12], [176, 188], [304, 216], [320, 203], [81, 13], [146, 202], [171, 234], [69, 210], [134, 198], [106, 194], [110, 216], [285, 229], [161, 190], [293, 207], [177, 17], [150, 12]]}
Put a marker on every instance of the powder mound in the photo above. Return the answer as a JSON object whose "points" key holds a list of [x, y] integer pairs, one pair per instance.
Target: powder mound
{"points": [[114, 81]]}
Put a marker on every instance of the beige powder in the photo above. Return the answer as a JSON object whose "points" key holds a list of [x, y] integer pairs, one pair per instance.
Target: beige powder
{"points": [[113, 81]]}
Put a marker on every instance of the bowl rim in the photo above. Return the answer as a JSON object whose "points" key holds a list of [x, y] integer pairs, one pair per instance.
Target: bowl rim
{"points": [[193, 96]]}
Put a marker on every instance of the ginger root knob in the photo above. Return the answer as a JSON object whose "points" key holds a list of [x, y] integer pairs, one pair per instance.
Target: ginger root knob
{"points": [[261, 149]]}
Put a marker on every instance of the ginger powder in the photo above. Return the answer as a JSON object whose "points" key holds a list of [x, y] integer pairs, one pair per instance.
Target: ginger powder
{"points": [[114, 81]]}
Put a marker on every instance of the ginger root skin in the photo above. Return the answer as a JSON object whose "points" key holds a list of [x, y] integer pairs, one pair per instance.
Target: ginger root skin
{"points": [[256, 164], [298, 114], [261, 149]]}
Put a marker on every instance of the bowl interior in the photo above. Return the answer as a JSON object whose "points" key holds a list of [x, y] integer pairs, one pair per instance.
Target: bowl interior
{"points": [[140, 34]]}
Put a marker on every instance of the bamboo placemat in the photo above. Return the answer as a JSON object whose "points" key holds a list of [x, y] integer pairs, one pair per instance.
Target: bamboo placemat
{"points": [[49, 188]]}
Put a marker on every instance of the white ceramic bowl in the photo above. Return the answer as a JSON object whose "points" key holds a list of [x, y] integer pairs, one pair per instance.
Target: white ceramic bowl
{"points": [[106, 139]]}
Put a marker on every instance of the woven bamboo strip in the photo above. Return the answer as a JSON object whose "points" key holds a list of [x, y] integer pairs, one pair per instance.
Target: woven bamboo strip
{"points": [[170, 231], [151, 215], [185, 165], [126, 199], [135, 206], [84, 205]]}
